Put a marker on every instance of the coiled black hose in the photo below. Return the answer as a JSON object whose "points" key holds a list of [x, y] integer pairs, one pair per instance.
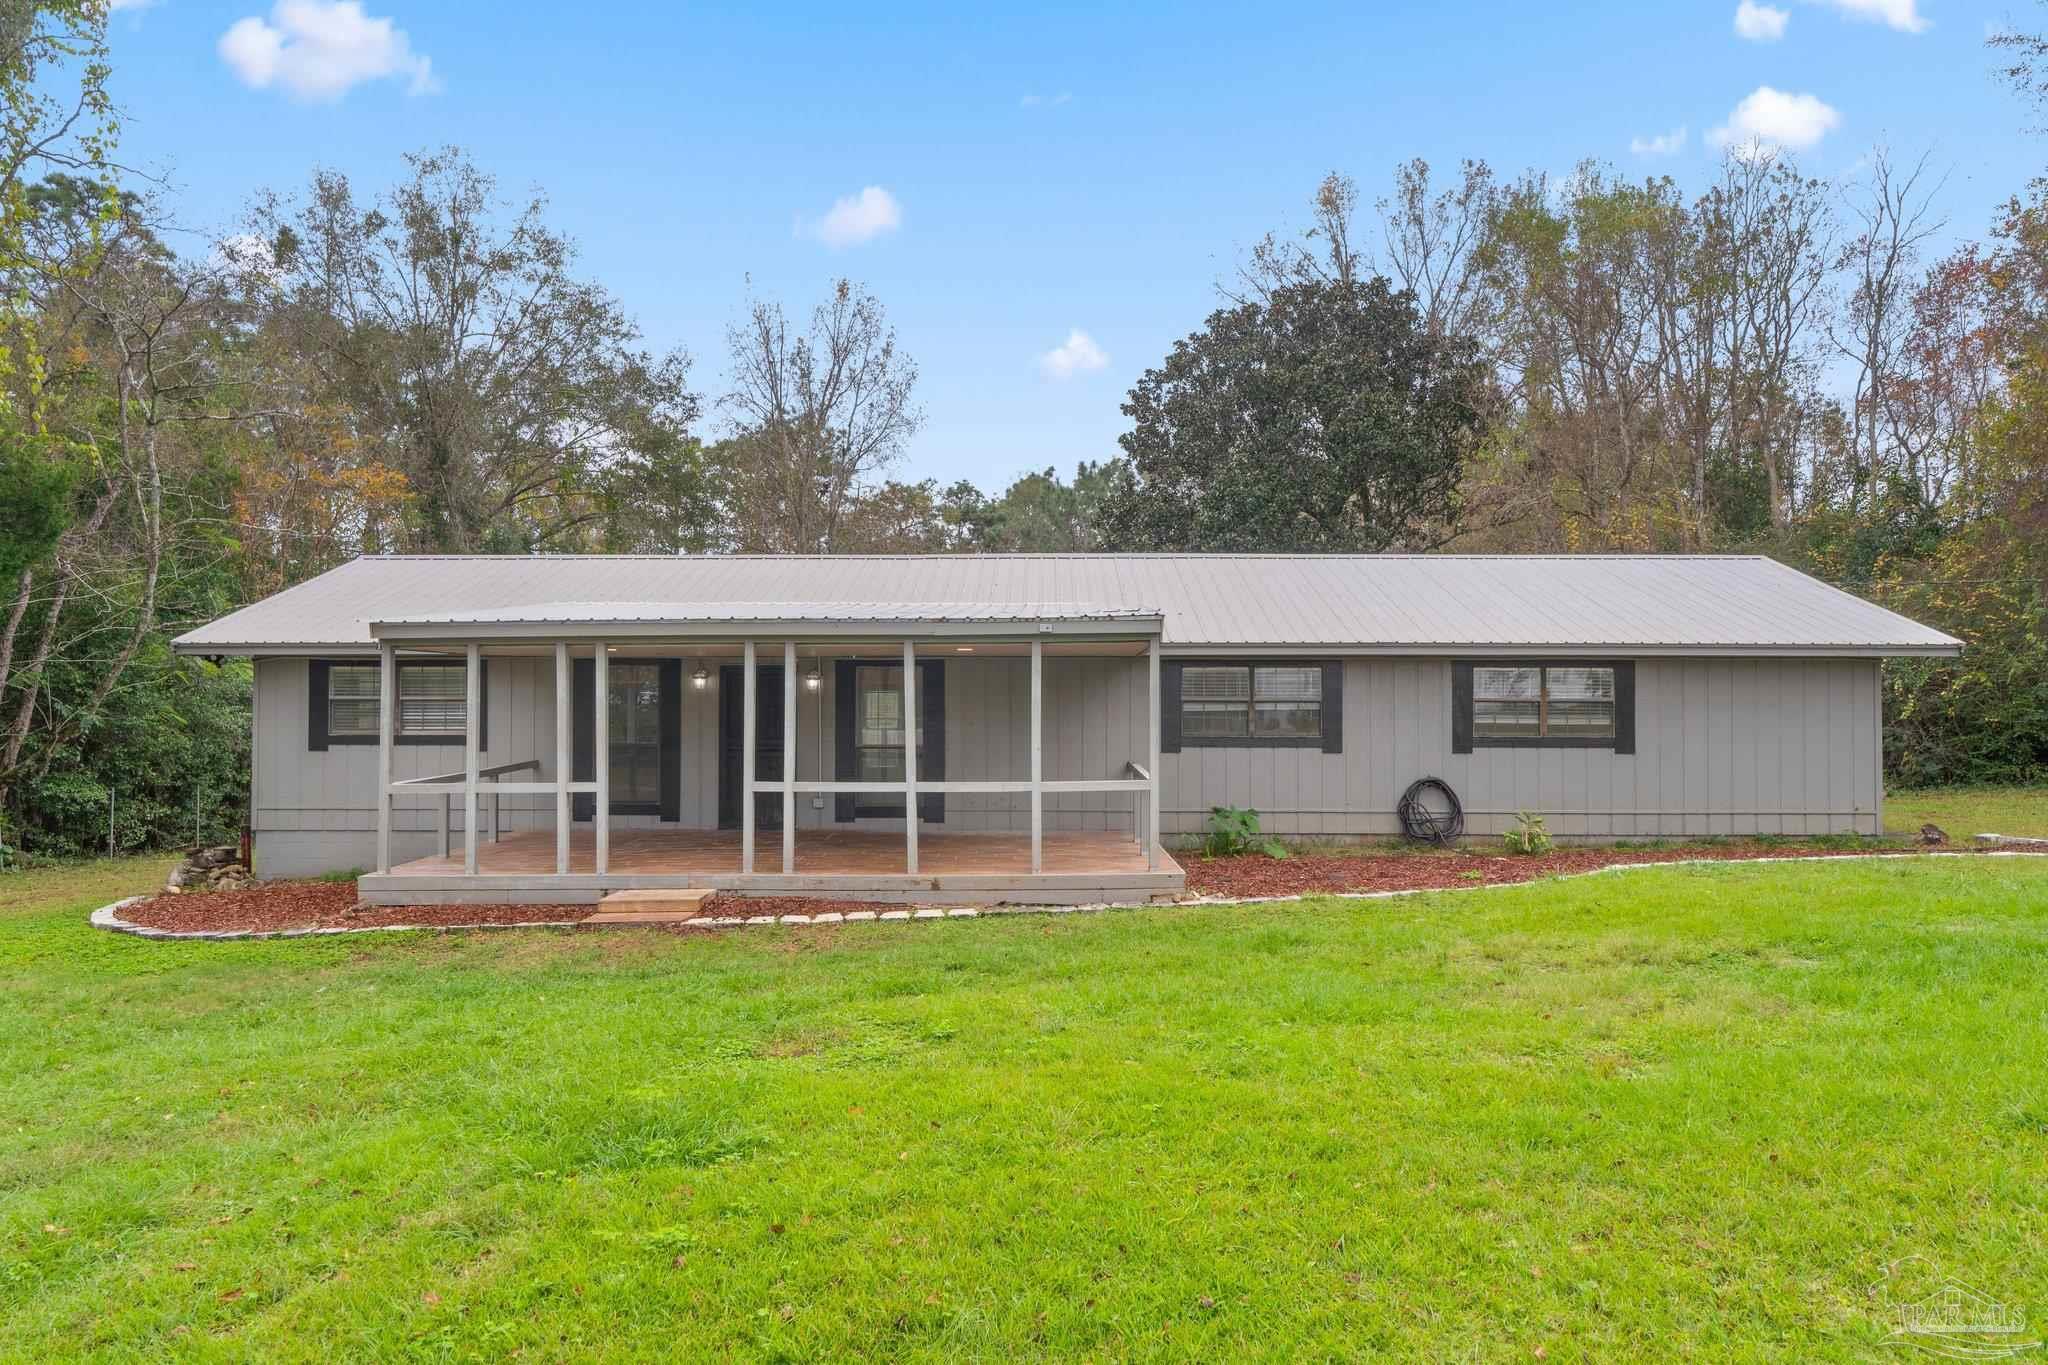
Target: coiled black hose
{"points": [[1425, 824]]}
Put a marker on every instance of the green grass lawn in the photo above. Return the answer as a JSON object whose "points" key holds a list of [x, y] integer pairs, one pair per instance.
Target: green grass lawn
{"points": [[1967, 811], [1685, 1112]]}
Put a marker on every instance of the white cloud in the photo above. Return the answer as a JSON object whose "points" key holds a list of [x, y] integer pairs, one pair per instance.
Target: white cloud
{"points": [[1661, 144], [1760, 23], [1903, 15], [1768, 119], [319, 49], [856, 218], [1073, 356], [1034, 101]]}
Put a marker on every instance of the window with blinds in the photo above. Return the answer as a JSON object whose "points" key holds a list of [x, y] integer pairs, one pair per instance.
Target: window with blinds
{"points": [[344, 705], [1543, 701], [432, 699], [1245, 703], [352, 699]]}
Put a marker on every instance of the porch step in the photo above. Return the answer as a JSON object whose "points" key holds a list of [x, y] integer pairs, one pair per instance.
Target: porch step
{"points": [[651, 907]]}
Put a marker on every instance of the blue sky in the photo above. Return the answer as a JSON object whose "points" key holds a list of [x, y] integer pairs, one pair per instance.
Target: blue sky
{"points": [[1050, 168]]}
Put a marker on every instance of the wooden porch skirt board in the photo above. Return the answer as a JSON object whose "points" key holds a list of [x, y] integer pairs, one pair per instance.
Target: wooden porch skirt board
{"points": [[954, 869]]}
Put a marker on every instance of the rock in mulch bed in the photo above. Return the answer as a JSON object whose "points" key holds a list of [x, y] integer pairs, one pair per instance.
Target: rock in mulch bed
{"points": [[1428, 871], [272, 906], [218, 867]]}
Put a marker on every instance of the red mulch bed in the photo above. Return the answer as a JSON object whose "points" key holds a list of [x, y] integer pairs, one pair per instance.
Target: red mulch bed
{"points": [[1428, 871], [273, 906]]}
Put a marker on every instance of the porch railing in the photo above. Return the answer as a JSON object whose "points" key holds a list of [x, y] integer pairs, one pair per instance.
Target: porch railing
{"points": [[459, 780]]}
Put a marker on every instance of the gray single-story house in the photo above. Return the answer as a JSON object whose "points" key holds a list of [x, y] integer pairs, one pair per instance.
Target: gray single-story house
{"points": [[1055, 722]]}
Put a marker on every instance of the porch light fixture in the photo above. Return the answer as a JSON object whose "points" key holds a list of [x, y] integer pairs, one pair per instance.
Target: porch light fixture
{"points": [[963, 649], [700, 679], [811, 680]]}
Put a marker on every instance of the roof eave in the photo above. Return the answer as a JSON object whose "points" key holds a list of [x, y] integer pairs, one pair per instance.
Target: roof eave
{"points": [[798, 629]]}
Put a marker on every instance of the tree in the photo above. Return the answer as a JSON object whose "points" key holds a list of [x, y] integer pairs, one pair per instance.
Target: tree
{"points": [[1892, 221], [820, 417], [662, 499], [454, 340], [1324, 417], [146, 365]]}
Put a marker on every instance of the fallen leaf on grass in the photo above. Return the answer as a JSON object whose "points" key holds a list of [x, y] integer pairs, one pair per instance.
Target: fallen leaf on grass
{"points": [[229, 1295]]}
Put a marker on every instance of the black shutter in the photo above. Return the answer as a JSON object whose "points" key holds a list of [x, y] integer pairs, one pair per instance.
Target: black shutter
{"points": [[582, 735], [1625, 708], [931, 760], [1461, 708], [483, 709], [670, 691], [1168, 702], [1333, 706], [316, 704], [842, 738]]}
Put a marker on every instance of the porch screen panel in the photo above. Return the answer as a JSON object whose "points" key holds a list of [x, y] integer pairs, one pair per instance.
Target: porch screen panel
{"points": [[878, 734], [634, 720]]}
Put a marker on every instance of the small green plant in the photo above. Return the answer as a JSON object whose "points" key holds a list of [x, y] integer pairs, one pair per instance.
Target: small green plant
{"points": [[1528, 837], [1234, 832]]}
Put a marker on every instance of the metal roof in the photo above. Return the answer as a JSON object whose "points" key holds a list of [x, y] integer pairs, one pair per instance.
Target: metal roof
{"points": [[1381, 603], [659, 613]]}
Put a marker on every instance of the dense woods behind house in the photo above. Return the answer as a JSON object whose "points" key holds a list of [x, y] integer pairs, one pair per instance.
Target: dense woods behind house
{"points": [[1459, 358]]}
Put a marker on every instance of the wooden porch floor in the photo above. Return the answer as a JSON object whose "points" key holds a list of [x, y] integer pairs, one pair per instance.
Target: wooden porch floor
{"points": [[819, 853]]}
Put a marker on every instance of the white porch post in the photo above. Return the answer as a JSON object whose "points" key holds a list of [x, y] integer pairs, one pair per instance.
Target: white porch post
{"points": [[1157, 715], [387, 720], [601, 759], [747, 760], [910, 757], [563, 766], [472, 705], [788, 757], [1037, 757]]}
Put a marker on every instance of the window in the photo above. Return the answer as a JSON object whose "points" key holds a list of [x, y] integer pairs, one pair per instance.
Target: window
{"points": [[433, 699], [1246, 701], [432, 703], [1272, 705], [1562, 705], [352, 700]]}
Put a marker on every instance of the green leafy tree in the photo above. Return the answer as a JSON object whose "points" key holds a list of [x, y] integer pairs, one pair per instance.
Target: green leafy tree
{"points": [[467, 353], [1323, 416]]}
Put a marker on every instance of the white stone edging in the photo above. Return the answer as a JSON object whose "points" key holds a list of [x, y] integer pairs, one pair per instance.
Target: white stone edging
{"points": [[108, 917]]}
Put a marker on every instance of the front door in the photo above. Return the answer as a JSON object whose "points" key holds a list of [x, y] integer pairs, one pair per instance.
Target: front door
{"points": [[732, 703], [643, 714]]}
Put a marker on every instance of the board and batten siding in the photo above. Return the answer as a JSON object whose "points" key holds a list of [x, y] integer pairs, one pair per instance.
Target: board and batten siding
{"points": [[1724, 746]]}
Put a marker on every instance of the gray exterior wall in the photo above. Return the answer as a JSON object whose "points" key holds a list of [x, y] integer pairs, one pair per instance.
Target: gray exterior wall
{"points": [[1723, 747]]}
